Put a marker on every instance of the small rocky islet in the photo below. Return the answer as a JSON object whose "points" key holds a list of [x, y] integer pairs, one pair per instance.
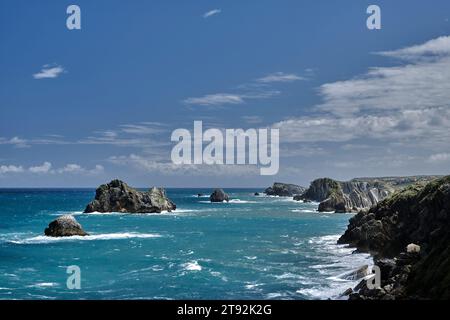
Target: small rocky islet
{"points": [[117, 196], [219, 195], [65, 226]]}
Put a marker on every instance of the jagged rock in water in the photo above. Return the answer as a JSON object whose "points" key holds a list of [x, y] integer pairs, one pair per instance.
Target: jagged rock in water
{"points": [[284, 190], [64, 226], [117, 196], [219, 196], [419, 215]]}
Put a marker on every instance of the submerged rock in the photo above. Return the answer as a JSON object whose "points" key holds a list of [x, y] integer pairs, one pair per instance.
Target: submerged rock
{"points": [[219, 196], [65, 226], [284, 190], [117, 196]]}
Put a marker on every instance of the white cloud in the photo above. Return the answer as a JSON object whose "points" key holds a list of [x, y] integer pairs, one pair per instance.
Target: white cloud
{"points": [[15, 141], [44, 168], [426, 124], [73, 168], [11, 169], [211, 13], [421, 83], [49, 72], [434, 48], [169, 168], [280, 77], [258, 89], [439, 157], [142, 129], [215, 99]]}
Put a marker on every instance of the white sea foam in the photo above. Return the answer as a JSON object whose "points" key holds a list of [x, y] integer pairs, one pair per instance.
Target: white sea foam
{"points": [[241, 201], [231, 201], [43, 285], [96, 213], [192, 266], [335, 261], [304, 210], [104, 236]]}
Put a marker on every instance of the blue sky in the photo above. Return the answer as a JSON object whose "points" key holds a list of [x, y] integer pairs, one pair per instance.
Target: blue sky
{"points": [[80, 107]]}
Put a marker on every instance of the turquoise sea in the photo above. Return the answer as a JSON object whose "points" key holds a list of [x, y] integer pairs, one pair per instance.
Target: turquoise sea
{"points": [[255, 247]]}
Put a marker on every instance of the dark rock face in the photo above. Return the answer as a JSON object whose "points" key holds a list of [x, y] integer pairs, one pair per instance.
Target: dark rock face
{"points": [[340, 197], [64, 226], [219, 196], [418, 214], [117, 196], [256, 194], [284, 190]]}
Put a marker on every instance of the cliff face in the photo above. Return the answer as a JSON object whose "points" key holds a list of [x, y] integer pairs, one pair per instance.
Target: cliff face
{"points": [[350, 196], [418, 214], [356, 194]]}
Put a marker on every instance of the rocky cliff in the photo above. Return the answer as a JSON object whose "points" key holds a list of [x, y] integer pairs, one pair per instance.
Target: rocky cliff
{"points": [[284, 190], [419, 215], [350, 196], [117, 196], [356, 194]]}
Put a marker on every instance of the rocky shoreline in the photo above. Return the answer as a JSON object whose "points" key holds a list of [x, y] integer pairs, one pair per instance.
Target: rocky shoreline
{"points": [[408, 233]]}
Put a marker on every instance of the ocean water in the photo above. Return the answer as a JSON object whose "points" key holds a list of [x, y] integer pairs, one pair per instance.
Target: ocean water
{"points": [[254, 247]]}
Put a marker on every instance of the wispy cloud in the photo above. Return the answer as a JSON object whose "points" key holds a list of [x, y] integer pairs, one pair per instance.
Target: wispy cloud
{"points": [[280, 77], [211, 13], [420, 83], [15, 141], [434, 48], [215, 99], [49, 72], [148, 165], [143, 128], [260, 88]]}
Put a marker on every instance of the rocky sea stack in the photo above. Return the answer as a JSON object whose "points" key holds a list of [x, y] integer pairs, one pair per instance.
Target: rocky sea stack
{"points": [[219, 196], [408, 233], [64, 226], [284, 190], [117, 196]]}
